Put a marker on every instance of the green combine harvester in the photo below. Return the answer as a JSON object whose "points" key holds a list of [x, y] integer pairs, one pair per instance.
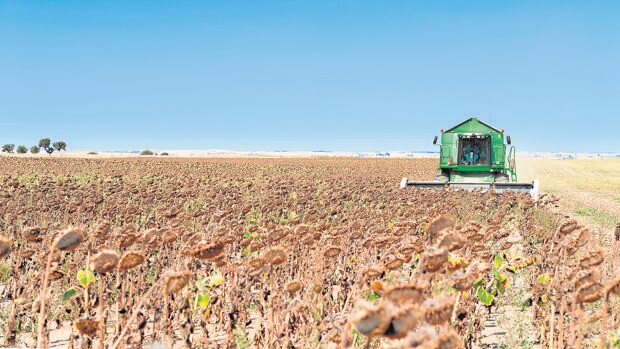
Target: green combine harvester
{"points": [[473, 155]]}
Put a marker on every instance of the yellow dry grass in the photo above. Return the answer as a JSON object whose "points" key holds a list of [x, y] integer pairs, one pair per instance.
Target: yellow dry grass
{"points": [[589, 187]]}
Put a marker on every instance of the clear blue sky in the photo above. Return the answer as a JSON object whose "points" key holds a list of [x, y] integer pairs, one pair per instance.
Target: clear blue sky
{"points": [[308, 75]]}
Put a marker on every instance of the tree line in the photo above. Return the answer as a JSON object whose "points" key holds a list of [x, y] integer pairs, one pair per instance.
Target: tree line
{"points": [[44, 143]]}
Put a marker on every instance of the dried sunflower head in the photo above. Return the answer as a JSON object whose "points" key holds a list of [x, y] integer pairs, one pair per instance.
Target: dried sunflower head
{"points": [[257, 263], [356, 234], [438, 310], [440, 223], [594, 317], [400, 231], [424, 337], [151, 237], [174, 282], [592, 258], [229, 239], [614, 285], [126, 229], [332, 251], [449, 338], [256, 245], [590, 293], [393, 263], [308, 240], [87, 327], [33, 234], [472, 226], [246, 243], [278, 234], [567, 227], [69, 239], [381, 242], [130, 260], [168, 235], [56, 275], [293, 286], [586, 276], [317, 287], [462, 281], [372, 272], [28, 253], [219, 261], [205, 250], [275, 255], [434, 258], [105, 261], [301, 229], [578, 238], [408, 250], [451, 241], [126, 240], [406, 293], [404, 319], [583, 236], [376, 286], [372, 320], [5, 245], [258, 271], [102, 230]]}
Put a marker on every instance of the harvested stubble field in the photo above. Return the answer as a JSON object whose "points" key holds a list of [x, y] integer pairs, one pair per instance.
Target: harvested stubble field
{"points": [[286, 253], [588, 188]]}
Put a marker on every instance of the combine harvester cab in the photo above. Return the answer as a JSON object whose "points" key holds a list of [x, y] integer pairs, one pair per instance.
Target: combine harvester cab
{"points": [[473, 155]]}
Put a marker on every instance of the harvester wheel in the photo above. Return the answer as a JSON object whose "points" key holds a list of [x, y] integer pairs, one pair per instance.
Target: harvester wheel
{"points": [[501, 178]]}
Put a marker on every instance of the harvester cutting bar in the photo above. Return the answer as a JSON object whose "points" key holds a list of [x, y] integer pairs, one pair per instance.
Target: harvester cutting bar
{"points": [[498, 187]]}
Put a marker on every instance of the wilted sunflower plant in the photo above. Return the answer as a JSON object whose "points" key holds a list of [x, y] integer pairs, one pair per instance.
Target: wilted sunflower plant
{"points": [[273, 253]]}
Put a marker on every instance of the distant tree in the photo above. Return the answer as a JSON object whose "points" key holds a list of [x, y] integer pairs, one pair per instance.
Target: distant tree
{"points": [[22, 149], [35, 149], [60, 145], [8, 148], [164, 154], [146, 152], [45, 144]]}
